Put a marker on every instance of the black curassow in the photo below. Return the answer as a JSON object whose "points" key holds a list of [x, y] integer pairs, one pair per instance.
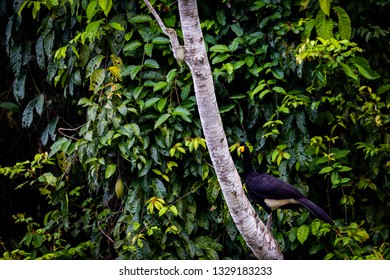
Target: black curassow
{"points": [[272, 193]]}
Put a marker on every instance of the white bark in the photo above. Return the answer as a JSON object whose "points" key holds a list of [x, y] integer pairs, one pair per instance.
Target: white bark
{"points": [[254, 232]]}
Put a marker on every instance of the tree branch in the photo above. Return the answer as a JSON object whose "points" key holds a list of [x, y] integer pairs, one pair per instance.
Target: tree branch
{"points": [[178, 50]]}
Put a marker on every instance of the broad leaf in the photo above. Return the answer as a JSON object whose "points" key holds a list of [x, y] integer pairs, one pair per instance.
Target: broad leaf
{"points": [[140, 19], [324, 26], [344, 23], [303, 233], [19, 87], [364, 68], [181, 111], [94, 64], [325, 6], [110, 171], [39, 104], [219, 49], [40, 53], [348, 71], [163, 118], [133, 45], [28, 114], [106, 6]]}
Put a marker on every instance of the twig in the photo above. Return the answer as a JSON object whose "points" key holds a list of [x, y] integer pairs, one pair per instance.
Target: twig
{"points": [[61, 129], [109, 238]]}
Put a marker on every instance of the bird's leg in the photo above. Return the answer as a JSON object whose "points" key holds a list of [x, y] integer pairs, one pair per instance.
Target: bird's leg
{"points": [[269, 221]]}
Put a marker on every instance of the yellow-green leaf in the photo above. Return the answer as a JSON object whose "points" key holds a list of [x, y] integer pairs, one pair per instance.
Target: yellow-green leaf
{"points": [[106, 6], [110, 171], [325, 6], [162, 211], [303, 233]]}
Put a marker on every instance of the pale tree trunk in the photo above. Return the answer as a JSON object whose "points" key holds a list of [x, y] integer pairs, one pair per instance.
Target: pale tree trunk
{"points": [[254, 232]]}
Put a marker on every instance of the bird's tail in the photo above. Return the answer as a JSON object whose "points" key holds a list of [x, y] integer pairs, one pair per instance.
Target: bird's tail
{"points": [[315, 210]]}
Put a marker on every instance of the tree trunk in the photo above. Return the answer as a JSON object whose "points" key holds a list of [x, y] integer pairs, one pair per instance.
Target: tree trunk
{"points": [[254, 232]]}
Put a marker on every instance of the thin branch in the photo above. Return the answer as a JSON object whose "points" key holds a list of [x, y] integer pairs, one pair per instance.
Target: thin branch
{"points": [[157, 17], [109, 238], [178, 50]]}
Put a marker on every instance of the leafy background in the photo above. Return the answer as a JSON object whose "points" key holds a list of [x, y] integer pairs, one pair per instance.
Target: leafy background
{"points": [[102, 155]]}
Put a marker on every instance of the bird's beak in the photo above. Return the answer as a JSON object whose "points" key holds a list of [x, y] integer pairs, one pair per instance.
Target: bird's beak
{"points": [[242, 149]]}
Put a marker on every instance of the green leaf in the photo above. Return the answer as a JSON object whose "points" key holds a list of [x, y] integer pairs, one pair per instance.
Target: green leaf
{"points": [[171, 75], [162, 211], [383, 89], [249, 60], [364, 68], [326, 169], [16, 58], [150, 102], [131, 70], [28, 114], [92, 31], [10, 106], [226, 108], [344, 23], [303, 233], [39, 104], [163, 118], [278, 73], [91, 10], [37, 240], [148, 49], [284, 109], [159, 86], [110, 171], [48, 43], [97, 79], [93, 64], [117, 26], [181, 111], [106, 6], [325, 6], [131, 46], [219, 49], [292, 236], [173, 209], [324, 26], [122, 109], [140, 19], [237, 29], [221, 17], [151, 63], [49, 131], [161, 40], [58, 145], [19, 87], [190, 223], [40, 53], [348, 71], [219, 58], [279, 90], [161, 104], [159, 188]]}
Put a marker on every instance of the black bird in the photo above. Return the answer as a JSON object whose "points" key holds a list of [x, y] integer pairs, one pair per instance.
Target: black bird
{"points": [[272, 193]]}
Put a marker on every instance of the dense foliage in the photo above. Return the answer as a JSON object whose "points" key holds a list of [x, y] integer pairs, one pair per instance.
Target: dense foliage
{"points": [[109, 160]]}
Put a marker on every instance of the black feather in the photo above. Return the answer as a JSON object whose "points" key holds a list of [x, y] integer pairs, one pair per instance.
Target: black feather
{"points": [[265, 189]]}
